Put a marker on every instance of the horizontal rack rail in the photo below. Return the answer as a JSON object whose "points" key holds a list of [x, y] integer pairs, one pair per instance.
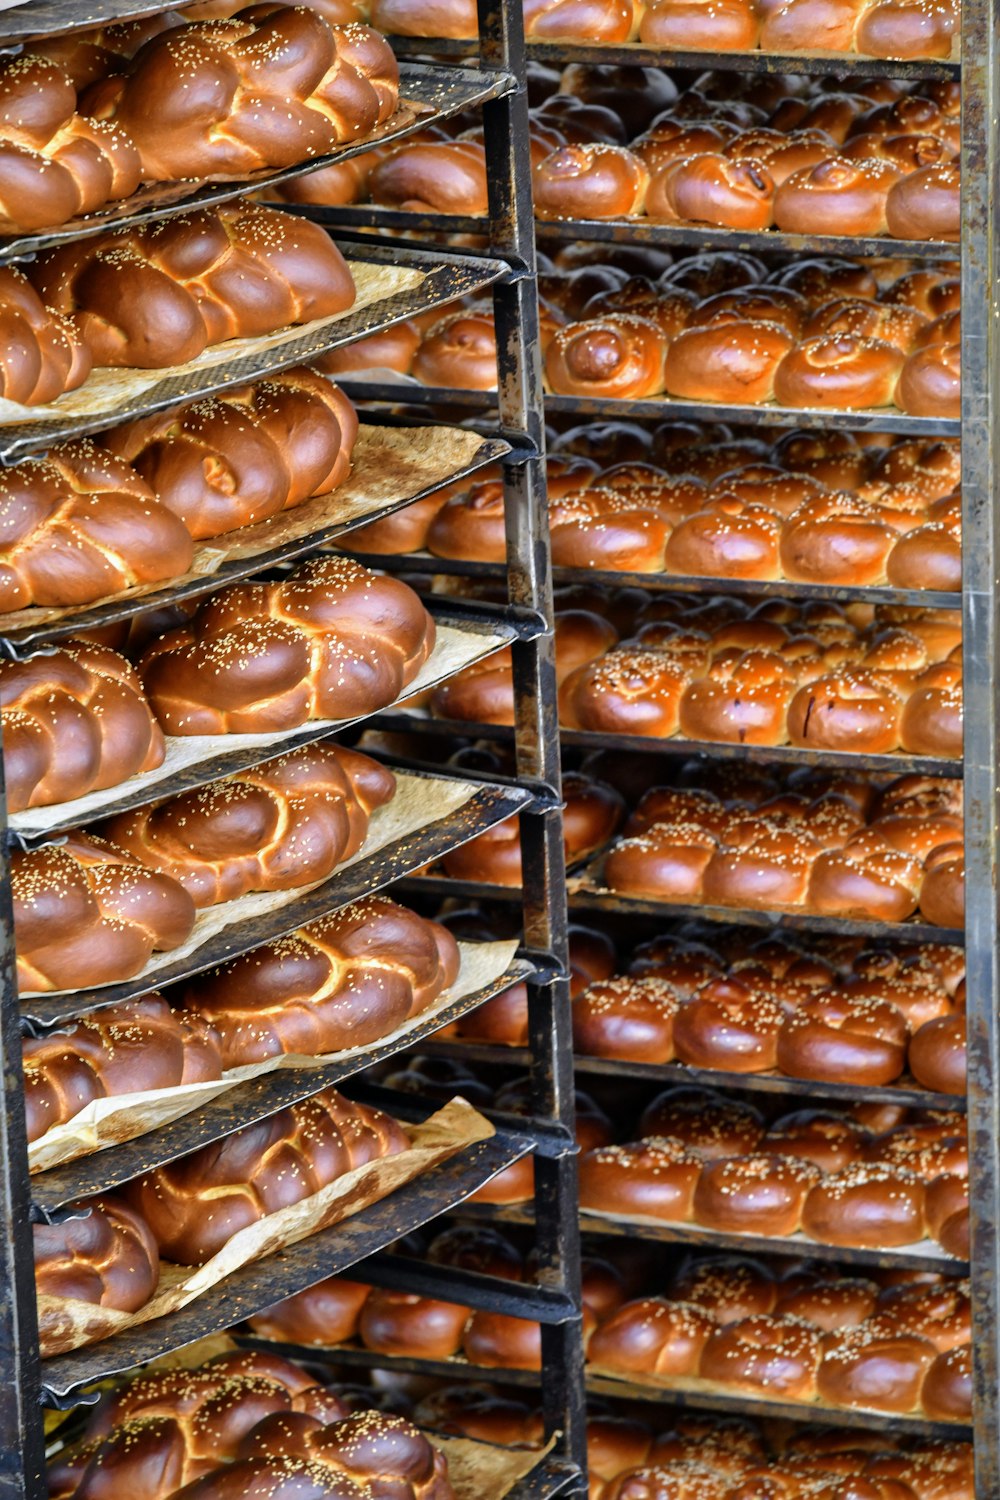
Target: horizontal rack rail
{"points": [[24, 827], [677, 1394], [488, 805], [445, 277], [240, 1106], [426, 562], [637, 54], [665, 409], [262, 1283], [696, 1237], [679, 1074], [897, 763], [643, 231], [22, 639], [585, 898], [428, 94], [46, 18]]}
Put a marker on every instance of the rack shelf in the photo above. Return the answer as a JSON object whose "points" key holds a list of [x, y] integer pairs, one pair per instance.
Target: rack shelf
{"points": [[431, 94], [636, 54], [680, 1075], [262, 1283], [425, 562], [487, 805], [445, 277]]}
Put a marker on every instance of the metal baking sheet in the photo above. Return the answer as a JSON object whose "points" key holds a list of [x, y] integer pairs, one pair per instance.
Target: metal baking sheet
{"points": [[245, 1104], [262, 1283], [427, 94], [414, 838], [401, 463], [444, 278]]}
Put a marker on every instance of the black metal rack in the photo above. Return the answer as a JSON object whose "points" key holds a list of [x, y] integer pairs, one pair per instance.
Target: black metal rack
{"points": [[978, 431], [27, 1383]]}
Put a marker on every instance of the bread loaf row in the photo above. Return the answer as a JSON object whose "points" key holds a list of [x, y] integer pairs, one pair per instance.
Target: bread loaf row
{"points": [[85, 123], [246, 1425], [856, 516], [91, 910], [342, 982], [154, 297], [828, 855]]}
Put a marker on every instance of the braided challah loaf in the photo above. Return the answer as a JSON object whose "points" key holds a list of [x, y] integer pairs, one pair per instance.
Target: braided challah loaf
{"points": [[86, 913], [156, 296], [79, 524], [166, 1429], [124, 1049], [42, 354], [286, 824], [74, 721], [194, 1205], [369, 1453], [270, 88], [235, 459], [344, 981], [108, 1258], [331, 641], [86, 56], [54, 163]]}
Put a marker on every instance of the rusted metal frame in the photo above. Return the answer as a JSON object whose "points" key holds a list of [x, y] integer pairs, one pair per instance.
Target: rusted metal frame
{"points": [[22, 1442], [981, 635], [529, 581]]}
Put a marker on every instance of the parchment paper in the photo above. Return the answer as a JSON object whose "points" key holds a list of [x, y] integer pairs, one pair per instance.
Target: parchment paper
{"points": [[66, 1324], [388, 464], [108, 1122], [453, 650], [419, 800], [107, 390]]}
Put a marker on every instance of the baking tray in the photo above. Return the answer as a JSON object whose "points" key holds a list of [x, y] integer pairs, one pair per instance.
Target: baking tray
{"points": [[427, 94]]}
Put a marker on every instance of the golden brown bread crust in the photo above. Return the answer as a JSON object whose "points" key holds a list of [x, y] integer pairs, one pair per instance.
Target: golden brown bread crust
{"points": [[74, 721], [591, 812], [44, 354], [344, 981], [330, 641], [123, 1049], [460, 350], [402, 1322], [194, 1205], [729, 27], [158, 296], [108, 1258], [87, 913], [430, 18], [79, 524], [56, 164], [225, 98], [592, 181], [443, 177], [326, 1313], [238, 458], [286, 824]]}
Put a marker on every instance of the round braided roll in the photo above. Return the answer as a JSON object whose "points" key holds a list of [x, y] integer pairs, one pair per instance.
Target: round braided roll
{"points": [[238, 458], [125, 1049], [344, 981], [156, 296], [443, 177], [285, 824], [330, 641], [54, 163], [86, 913], [108, 1258], [75, 721], [587, 21], [269, 88], [78, 525], [437, 18], [194, 1205], [42, 354]]}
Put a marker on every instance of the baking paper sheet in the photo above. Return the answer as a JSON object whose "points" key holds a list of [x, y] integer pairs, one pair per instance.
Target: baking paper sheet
{"points": [[389, 466], [926, 1247], [108, 390], [453, 650], [419, 800], [66, 1324], [108, 1122]]}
